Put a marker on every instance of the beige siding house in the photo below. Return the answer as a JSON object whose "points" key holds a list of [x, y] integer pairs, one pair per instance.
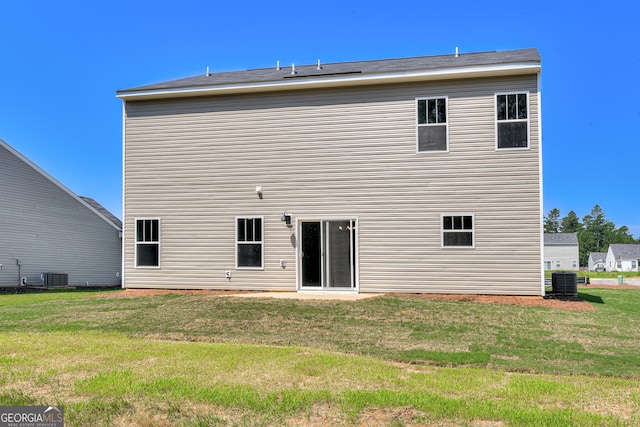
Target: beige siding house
{"points": [[403, 175]]}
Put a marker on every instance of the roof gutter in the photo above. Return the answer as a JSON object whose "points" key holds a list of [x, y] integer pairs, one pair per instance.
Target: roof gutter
{"points": [[335, 81]]}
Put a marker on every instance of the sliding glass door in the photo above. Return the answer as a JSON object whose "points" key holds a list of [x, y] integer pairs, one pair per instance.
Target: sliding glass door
{"points": [[328, 254]]}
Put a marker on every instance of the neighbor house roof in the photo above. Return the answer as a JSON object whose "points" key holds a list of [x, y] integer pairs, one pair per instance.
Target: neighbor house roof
{"points": [[97, 206], [625, 250], [524, 61], [560, 238], [102, 213], [597, 256]]}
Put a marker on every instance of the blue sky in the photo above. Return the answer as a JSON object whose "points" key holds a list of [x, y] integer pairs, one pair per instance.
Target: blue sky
{"points": [[61, 63]]}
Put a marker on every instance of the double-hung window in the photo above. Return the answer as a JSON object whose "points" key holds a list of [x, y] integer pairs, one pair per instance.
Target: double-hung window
{"points": [[249, 243], [433, 133], [147, 242], [512, 120], [458, 230]]}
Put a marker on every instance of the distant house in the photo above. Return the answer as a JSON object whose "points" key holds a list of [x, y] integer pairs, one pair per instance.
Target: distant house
{"points": [[561, 251], [408, 175], [623, 257], [48, 233], [597, 261]]}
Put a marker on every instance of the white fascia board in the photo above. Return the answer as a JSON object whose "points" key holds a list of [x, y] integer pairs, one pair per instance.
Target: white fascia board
{"points": [[336, 81]]}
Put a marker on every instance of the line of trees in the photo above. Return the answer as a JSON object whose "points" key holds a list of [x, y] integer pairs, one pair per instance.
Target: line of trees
{"points": [[595, 232]]}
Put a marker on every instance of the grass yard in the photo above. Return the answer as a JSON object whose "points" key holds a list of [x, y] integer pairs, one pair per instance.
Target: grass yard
{"points": [[598, 274], [611, 274], [209, 360]]}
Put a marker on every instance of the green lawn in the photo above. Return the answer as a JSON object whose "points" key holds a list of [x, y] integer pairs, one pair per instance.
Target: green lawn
{"points": [[201, 360], [598, 274]]}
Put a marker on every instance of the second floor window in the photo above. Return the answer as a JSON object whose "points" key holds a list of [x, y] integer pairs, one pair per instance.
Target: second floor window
{"points": [[512, 120], [432, 124]]}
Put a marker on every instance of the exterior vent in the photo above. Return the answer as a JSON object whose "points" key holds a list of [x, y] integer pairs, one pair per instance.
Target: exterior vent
{"points": [[50, 280], [564, 284]]}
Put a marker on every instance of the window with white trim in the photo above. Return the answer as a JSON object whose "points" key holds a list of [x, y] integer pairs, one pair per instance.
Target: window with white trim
{"points": [[512, 120], [458, 230], [249, 243], [433, 132], [147, 242]]}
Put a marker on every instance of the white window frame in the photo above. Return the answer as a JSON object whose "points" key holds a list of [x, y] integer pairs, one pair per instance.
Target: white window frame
{"points": [[146, 242], [251, 242], [443, 231], [527, 120], [445, 123]]}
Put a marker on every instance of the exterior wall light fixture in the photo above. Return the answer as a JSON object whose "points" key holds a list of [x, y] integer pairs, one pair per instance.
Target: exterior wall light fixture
{"points": [[286, 218]]}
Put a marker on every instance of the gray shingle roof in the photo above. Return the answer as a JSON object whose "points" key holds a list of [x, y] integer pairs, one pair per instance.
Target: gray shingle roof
{"points": [[97, 206], [560, 238], [597, 256], [625, 250], [359, 68]]}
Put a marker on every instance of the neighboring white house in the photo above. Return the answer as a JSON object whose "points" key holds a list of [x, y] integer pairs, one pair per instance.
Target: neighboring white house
{"points": [[623, 257], [597, 261], [409, 175], [45, 228], [561, 251]]}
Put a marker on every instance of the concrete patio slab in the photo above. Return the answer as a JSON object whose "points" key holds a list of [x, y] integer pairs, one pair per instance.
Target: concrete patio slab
{"points": [[336, 296]]}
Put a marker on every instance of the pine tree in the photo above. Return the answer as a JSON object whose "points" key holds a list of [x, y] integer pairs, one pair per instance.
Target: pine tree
{"points": [[570, 223], [595, 235], [552, 221]]}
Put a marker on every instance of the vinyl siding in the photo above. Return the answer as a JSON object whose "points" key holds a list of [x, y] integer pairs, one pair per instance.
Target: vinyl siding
{"points": [[48, 230], [626, 263], [566, 255], [348, 153]]}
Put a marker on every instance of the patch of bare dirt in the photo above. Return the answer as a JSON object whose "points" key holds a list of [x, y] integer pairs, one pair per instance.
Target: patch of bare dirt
{"points": [[597, 285], [510, 300], [134, 293], [484, 299]]}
